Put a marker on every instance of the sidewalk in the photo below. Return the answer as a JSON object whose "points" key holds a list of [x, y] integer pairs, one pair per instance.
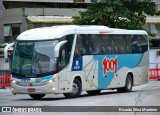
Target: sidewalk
{"points": [[149, 95]]}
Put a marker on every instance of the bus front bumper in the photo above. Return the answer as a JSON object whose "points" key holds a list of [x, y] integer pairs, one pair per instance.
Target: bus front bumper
{"points": [[45, 89]]}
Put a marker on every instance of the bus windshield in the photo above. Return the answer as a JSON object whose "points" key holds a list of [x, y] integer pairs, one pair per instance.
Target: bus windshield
{"points": [[34, 57]]}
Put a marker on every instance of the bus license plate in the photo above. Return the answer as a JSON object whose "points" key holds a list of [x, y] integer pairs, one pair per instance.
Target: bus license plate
{"points": [[31, 90]]}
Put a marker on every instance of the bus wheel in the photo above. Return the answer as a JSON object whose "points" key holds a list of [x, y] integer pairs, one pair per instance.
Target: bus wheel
{"points": [[128, 85], [37, 96], [94, 92], [76, 90]]}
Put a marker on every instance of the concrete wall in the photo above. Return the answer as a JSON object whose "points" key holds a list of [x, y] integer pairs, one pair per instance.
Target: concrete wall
{"points": [[52, 11], [18, 15], [1, 23], [13, 15], [154, 58]]}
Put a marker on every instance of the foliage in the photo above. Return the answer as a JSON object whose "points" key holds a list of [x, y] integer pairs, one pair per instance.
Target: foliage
{"points": [[126, 14]]}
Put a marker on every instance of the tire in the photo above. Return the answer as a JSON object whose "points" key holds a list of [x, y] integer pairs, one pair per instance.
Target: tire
{"points": [[76, 90], [94, 92], [37, 96], [128, 85]]}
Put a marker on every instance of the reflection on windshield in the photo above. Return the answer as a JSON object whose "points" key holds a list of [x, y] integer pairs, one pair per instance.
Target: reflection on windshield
{"points": [[34, 57]]}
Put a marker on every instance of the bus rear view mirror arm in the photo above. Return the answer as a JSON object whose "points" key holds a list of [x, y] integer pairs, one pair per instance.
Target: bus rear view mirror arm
{"points": [[57, 48], [6, 51]]}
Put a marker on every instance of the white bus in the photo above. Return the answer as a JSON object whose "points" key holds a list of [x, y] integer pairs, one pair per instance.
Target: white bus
{"points": [[70, 59]]}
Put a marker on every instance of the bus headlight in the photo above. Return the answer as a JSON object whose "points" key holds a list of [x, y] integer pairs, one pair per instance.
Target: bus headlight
{"points": [[50, 81], [13, 81]]}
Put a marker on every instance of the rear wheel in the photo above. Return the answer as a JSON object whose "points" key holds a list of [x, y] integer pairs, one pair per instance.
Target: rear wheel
{"points": [[76, 89], [94, 92], [128, 85], [37, 96]]}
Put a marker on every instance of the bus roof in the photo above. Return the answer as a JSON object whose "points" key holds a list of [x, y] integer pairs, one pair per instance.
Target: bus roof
{"points": [[55, 32]]}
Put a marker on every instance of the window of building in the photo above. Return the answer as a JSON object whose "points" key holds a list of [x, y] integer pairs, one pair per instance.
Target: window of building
{"points": [[158, 53], [154, 44], [11, 32], [15, 31]]}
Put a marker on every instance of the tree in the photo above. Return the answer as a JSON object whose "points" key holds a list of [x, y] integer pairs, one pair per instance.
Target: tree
{"points": [[125, 14]]}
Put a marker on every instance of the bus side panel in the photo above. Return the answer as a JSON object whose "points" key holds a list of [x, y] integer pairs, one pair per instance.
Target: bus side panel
{"points": [[109, 71], [113, 69], [90, 70], [141, 73], [119, 78]]}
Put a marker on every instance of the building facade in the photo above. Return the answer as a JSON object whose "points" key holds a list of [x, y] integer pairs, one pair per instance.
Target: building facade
{"points": [[1, 22], [21, 15]]}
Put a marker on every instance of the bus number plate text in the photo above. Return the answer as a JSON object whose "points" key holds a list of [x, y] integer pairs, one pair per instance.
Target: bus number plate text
{"points": [[31, 90]]}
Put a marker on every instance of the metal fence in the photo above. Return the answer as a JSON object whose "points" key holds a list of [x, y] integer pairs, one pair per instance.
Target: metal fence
{"points": [[5, 77], [154, 71], [5, 74]]}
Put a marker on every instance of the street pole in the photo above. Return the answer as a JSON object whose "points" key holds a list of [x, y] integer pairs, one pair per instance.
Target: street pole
{"points": [[1, 23]]}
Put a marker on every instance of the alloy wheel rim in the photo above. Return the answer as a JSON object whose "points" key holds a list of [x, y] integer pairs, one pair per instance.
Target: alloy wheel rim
{"points": [[74, 88]]}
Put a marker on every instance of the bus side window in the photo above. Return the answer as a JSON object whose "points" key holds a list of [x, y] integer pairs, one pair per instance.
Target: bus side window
{"points": [[62, 57], [79, 50], [106, 44], [128, 45], [65, 52], [142, 43], [69, 44], [118, 44], [94, 44]]}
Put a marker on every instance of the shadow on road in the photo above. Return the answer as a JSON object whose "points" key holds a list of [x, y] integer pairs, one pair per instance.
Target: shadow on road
{"points": [[56, 98]]}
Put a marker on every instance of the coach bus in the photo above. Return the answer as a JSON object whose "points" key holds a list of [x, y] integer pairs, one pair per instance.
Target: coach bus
{"points": [[69, 59]]}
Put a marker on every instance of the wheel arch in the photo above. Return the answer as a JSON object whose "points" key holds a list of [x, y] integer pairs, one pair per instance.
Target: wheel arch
{"points": [[77, 76]]}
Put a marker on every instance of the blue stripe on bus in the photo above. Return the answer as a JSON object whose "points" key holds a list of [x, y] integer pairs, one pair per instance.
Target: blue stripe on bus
{"points": [[129, 60]]}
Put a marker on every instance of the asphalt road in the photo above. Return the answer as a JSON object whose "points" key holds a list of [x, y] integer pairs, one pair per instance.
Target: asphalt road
{"points": [[144, 95]]}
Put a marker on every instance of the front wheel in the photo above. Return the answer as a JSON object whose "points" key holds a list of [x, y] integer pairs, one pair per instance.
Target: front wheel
{"points": [[128, 85], [76, 89], [37, 96]]}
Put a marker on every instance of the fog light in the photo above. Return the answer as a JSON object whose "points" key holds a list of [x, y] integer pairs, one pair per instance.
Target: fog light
{"points": [[53, 88], [12, 89]]}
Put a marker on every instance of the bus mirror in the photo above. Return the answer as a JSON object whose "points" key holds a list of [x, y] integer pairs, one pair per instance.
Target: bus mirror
{"points": [[57, 48], [6, 51]]}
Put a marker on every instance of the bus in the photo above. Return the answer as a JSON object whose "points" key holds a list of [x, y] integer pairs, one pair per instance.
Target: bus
{"points": [[69, 59]]}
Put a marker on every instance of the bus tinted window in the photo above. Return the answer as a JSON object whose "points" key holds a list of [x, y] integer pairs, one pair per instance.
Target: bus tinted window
{"points": [[89, 44], [79, 51], [139, 44], [118, 44], [95, 44], [106, 44], [128, 44]]}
